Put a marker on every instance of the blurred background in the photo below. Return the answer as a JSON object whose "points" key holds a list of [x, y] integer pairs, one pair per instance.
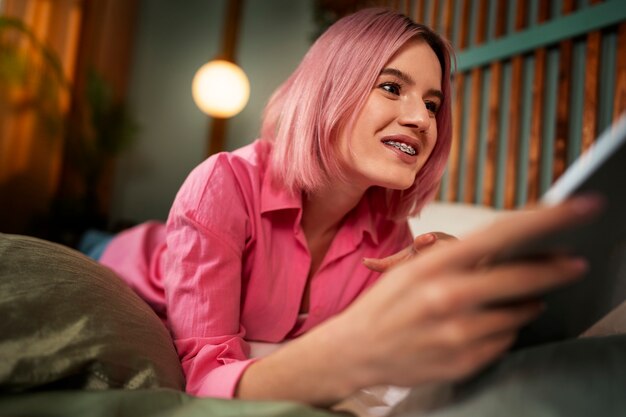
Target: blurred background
{"points": [[99, 127]]}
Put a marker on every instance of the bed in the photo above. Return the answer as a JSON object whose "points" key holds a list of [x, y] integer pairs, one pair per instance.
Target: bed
{"points": [[76, 341]]}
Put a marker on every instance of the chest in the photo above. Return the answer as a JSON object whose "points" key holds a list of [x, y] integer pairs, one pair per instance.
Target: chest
{"points": [[318, 246], [281, 269]]}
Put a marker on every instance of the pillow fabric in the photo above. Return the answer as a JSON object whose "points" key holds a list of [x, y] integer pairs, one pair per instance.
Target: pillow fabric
{"points": [[71, 323], [457, 219], [574, 378], [147, 403]]}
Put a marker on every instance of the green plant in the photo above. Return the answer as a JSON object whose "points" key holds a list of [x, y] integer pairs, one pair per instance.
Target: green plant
{"points": [[102, 128], [39, 78], [95, 129]]}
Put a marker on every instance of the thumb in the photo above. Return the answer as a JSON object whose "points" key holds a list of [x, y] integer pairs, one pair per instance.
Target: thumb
{"points": [[424, 240], [383, 264]]}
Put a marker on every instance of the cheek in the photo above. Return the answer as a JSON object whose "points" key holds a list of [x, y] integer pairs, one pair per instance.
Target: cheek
{"points": [[377, 112], [432, 137]]}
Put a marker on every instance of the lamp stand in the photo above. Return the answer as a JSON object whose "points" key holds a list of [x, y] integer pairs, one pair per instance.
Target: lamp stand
{"points": [[217, 133]]}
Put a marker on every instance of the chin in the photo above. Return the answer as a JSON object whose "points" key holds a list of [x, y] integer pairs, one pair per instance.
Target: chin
{"points": [[403, 183], [404, 187], [395, 185]]}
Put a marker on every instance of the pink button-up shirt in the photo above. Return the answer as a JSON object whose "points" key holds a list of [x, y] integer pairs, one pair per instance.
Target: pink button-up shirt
{"points": [[232, 264]]}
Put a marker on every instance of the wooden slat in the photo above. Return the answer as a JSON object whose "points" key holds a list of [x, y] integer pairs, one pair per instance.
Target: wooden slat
{"points": [[471, 149], [457, 111], [563, 101], [590, 109], [521, 15], [501, 11], [619, 102], [538, 100], [407, 7], [434, 15], [592, 72], [493, 133], [513, 154], [536, 127], [448, 17], [464, 26], [455, 148], [419, 11], [493, 129]]}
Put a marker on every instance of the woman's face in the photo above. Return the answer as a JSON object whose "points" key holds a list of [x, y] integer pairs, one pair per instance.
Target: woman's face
{"points": [[396, 130]]}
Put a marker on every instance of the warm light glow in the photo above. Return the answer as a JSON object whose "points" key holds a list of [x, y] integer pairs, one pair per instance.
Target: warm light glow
{"points": [[220, 89]]}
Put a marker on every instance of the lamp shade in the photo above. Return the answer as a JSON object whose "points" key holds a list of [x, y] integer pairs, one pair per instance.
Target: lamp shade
{"points": [[220, 88]]}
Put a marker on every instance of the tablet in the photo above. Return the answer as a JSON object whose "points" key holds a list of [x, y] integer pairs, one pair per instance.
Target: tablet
{"points": [[572, 310]]}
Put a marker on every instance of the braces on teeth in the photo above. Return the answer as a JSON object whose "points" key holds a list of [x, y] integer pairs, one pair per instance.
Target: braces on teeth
{"points": [[402, 146]]}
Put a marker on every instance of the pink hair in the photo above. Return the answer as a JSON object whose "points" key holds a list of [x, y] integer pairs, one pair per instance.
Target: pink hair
{"points": [[328, 90]]}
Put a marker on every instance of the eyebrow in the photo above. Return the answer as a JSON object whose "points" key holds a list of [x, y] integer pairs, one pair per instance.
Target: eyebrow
{"points": [[406, 78], [399, 74]]}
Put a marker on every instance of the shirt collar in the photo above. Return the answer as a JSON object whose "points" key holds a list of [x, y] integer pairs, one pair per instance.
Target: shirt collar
{"points": [[275, 198], [360, 221]]}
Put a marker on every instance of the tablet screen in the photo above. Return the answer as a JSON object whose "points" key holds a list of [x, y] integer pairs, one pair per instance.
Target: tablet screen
{"points": [[572, 310]]}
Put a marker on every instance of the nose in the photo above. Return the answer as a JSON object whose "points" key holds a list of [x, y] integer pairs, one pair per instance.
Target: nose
{"points": [[415, 115]]}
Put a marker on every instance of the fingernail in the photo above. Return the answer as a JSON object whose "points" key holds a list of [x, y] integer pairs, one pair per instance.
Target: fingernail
{"points": [[429, 237], [588, 203], [579, 264]]}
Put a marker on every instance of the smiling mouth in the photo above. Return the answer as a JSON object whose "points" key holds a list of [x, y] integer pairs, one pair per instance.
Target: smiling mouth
{"points": [[403, 147]]}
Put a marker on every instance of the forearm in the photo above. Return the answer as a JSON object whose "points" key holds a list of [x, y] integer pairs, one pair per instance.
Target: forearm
{"points": [[314, 369]]}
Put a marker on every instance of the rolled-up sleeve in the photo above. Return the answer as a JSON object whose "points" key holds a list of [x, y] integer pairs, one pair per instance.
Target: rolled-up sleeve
{"points": [[206, 234]]}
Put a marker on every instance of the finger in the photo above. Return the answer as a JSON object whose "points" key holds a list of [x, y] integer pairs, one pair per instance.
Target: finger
{"points": [[420, 243], [514, 230], [461, 331], [383, 264], [444, 237], [470, 360], [501, 284], [423, 241]]}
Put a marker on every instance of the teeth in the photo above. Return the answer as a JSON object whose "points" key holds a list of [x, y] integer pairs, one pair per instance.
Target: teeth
{"points": [[402, 146]]}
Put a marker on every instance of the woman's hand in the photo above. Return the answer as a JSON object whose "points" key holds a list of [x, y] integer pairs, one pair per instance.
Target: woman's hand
{"points": [[445, 316], [432, 318], [420, 243]]}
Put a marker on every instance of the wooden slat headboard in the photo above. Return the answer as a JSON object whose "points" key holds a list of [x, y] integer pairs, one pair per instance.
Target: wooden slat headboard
{"points": [[536, 82]]}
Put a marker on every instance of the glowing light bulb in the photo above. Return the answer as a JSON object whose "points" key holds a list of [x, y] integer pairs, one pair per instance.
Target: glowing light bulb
{"points": [[220, 88]]}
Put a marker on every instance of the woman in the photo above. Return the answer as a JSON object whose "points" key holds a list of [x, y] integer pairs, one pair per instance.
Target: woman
{"points": [[266, 244]]}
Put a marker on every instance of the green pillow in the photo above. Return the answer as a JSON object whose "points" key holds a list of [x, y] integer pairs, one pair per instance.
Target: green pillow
{"points": [[71, 323]]}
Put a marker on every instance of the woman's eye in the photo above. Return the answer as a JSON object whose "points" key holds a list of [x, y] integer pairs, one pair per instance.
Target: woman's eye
{"points": [[392, 88], [432, 107]]}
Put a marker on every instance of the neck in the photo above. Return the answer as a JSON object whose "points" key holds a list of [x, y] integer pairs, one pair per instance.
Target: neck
{"points": [[324, 210]]}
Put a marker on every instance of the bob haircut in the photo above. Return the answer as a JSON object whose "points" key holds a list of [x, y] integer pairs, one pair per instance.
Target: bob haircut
{"points": [[326, 93]]}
